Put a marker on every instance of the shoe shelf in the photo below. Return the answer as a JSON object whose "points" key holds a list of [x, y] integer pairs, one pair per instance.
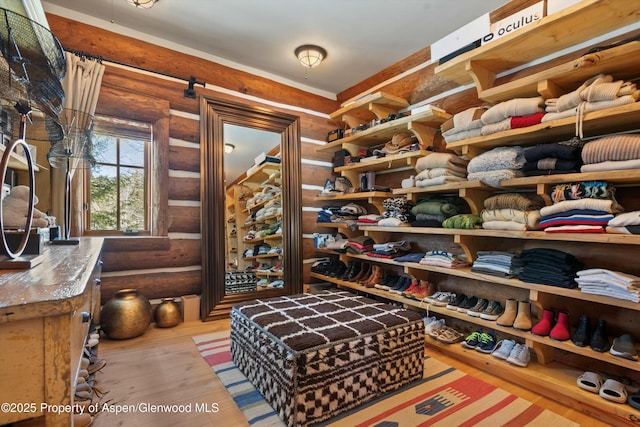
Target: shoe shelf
{"points": [[269, 273], [262, 220], [541, 345], [370, 107], [595, 123], [621, 62], [424, 126], [538, 377], [259, 205], [547, 35]]}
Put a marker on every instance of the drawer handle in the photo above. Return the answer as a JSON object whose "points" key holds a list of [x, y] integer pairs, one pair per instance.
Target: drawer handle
{"points": [[98, 281], [86, 317]]}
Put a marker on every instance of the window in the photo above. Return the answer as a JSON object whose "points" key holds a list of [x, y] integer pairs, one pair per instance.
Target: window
{"points": [[117, 194]]}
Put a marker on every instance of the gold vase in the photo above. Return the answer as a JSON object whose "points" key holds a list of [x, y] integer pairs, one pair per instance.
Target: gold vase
{"points": [[167, 314], [126, 315]]}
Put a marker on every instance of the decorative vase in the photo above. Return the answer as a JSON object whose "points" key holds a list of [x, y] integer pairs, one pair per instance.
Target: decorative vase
{"points": [[167, 314], [126, 315]]}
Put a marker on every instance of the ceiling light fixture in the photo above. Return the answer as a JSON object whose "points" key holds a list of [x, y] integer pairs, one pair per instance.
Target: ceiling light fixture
{"points": [[310, 55], [228, 148], [144, 4]]}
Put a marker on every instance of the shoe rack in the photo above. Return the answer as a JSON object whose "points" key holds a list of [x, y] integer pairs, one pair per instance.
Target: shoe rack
{"points": [[556, 364]]}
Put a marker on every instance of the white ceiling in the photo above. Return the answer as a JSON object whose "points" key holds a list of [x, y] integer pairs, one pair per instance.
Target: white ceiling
{"points": [[362, 37]]}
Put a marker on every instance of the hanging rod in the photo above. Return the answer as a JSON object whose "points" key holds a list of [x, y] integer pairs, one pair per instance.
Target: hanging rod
{"points": [[190, 80]]}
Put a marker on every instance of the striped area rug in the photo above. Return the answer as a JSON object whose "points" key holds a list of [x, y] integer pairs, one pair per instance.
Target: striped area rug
{"points": [[445, 397]]}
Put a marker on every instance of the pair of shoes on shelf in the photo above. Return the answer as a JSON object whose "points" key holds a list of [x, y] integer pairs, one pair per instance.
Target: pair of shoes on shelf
{"points": [[609, 389], [481, 341], [558, 331], [432, 326], [513, 352], [447, 335], [599, 340], [517, 314], [440, 298]]}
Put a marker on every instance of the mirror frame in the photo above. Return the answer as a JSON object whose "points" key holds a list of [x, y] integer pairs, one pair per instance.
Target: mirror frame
{"points": [[214, 114]]}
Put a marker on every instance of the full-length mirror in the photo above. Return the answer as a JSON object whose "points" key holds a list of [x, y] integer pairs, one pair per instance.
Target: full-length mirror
{"points": [[250, 198]]}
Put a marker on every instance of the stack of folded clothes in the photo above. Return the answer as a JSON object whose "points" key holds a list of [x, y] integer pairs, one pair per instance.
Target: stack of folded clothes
{"points": [[512, 114], [512, 211], [348, 214], [548, 267], [360, 245], [440, 168], [496, 263], [390, 249], [613, 152], [431, 211], [463, 221], [444, 259], [463, 125], [326, 213], [584, 207], [553, 158], [397, 212], [625, 223], [369, 219], [597, 93], [614, 284], [497, 164]]}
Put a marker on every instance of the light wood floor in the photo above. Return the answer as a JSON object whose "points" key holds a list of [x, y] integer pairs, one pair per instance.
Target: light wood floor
{"points": [[163, 367]]}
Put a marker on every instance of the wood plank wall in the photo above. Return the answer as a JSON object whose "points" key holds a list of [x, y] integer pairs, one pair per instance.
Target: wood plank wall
{"points": [[171, 266]]}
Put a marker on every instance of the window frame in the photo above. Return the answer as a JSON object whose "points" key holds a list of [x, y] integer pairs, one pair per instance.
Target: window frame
{"points": [[122, 128]]}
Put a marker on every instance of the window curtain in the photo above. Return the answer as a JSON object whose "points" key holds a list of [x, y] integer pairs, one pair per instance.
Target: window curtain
{"points": [[81, 87]]}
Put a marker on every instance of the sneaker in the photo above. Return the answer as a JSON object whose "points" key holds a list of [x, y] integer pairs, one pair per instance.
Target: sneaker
{"points": [[493, 311], [503, 349], [487, 343], [433, 297], [472, 340], [444, 299], [402, 286], [468, 303], [453, 305], [478, 308], [421, 293], [428, 319], [520, 355], [409, 292]]}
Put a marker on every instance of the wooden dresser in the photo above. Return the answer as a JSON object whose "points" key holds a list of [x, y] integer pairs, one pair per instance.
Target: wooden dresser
{"points": [[45, 314]]}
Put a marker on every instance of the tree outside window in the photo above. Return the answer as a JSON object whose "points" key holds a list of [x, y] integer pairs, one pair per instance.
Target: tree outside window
{"points": [[118, 184]]}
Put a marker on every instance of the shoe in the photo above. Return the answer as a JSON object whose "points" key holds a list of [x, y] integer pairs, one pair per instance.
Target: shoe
{"points": [[493, 311], [582, 336], [427, 319], [444, 299], [364, 271], [614, 391], [599, 339], [520, 355], [430, 298], [448, 335], [590, 381], [468, 303], [624, 346], [478, 308], [561, 331], [410, 290], [95, 365], [433, 327], [634, 400], [472, 340], [429, 286], [543, 327], [503, 349], [523, 318], [403, 286], [487, 343], [509, 315], [453, 305]]}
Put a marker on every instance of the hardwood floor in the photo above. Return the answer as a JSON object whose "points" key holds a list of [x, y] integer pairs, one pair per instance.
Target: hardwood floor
{"points": [[163, 367]]}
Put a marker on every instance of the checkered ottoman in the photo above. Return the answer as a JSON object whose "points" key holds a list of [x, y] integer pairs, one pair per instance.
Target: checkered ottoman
{"points": [[313, 356]]}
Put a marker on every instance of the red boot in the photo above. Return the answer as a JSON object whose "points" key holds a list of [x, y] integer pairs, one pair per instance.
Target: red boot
{"points": [[561, 331], [543, 327]]}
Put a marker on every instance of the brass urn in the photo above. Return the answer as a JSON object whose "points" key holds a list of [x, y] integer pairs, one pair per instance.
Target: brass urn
{"points": [[126, 315], [167, 314]]}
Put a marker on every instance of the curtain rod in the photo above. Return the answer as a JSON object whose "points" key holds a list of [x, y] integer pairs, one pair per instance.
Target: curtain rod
{"points": [[189, 92]]}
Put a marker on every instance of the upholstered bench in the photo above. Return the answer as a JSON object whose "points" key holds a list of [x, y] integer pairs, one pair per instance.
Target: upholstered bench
{"points": [[313, 356]]}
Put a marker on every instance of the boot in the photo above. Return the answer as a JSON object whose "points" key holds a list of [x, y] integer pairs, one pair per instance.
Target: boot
{"points": [[376, 277], [347, 271], [561, 331], [430, 287], [357, 266], [364, 271], [509, 315], [600, 339], [543, 327], [365, 278], [523, 318], [582, 336]]}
